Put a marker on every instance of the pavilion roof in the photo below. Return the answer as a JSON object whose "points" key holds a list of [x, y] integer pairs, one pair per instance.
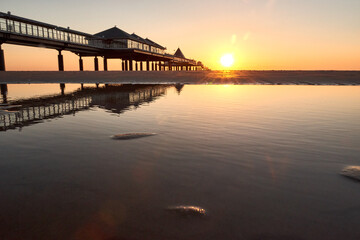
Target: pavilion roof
{"points": [[114, 33], [179, 53]]}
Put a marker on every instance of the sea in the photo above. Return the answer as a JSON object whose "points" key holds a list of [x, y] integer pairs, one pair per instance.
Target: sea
{"points": [[263, 161]]}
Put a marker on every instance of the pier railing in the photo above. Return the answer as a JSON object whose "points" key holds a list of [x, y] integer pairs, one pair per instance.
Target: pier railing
{"points": [[45, 31]]}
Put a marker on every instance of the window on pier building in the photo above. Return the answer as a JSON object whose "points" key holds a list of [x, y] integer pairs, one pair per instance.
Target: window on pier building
{"points": [[16, 27], [46, 32], [29, 29], [10, 25], [23, 28], [134, 44], [41, 33], [95, 42], [50, 33], [35, 31], [119, 43], [62, 36], [2, 24], [156, 50], [56, 34]]}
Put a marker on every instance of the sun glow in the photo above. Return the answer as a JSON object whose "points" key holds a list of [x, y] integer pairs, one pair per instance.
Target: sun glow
{"points": [[227, 60]]}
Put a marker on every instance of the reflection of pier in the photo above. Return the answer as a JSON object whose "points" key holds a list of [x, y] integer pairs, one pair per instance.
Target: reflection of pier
{"points": [[29, 115], [116, 99]]}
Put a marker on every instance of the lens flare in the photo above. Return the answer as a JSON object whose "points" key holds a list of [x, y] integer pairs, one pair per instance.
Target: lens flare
{"points": [[227, 60]]}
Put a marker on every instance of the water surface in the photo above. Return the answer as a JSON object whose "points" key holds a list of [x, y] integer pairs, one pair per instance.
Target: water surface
{"points": [[264, 162]]}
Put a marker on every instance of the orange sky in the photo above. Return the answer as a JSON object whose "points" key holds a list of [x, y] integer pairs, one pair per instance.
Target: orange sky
{"points": [[261, 34]]}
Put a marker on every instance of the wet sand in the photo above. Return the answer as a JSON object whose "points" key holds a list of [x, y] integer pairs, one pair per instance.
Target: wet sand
{"points": [[187, 77]]}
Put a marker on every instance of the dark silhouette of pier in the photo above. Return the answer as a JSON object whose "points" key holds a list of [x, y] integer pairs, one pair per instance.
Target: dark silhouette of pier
{"points": [[114, 98], [135, 52]]}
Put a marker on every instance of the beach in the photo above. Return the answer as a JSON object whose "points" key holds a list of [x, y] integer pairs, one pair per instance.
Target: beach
{"points": [[186, 77]]}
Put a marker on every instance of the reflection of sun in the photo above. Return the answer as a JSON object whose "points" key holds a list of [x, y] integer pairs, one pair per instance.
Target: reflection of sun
{"points": [[227, 60]]}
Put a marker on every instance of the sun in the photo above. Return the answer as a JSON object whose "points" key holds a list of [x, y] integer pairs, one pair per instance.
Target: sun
{"points": [[227, 60]]}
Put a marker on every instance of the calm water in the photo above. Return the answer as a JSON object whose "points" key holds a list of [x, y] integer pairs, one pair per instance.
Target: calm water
{"points": [[264, 161]]}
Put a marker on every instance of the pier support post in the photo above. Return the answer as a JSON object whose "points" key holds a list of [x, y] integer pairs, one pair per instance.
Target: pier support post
{"points": [[2, 59], [4, 91], [147, 65], [62, 87], [130, 65], [141, 65], [96, 63], [122, 65], [81, 64], [126, 65], [153, 66], [170, 67], [105, 64], [60, 61], [136, 66]]}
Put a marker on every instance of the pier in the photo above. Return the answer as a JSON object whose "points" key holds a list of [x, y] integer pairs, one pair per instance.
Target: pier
{"points": [[136, 53]]}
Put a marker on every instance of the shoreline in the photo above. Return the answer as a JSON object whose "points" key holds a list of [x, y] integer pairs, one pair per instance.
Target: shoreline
{"points": [[244, 77]]}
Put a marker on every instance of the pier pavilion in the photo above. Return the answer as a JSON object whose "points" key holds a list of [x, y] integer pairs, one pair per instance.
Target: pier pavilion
{"points": [[135, 52]]}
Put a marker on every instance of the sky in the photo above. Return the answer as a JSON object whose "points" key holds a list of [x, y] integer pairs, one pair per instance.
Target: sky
{"points": [[260, 34]]}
